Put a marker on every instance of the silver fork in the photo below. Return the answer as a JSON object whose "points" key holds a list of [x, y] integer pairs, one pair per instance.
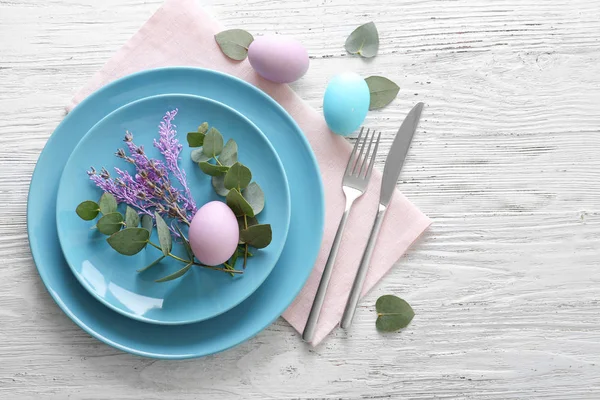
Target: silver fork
{"points": [[356, 179]]}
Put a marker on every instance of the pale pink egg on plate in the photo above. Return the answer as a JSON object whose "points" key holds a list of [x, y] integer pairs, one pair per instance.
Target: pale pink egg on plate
{"points": [[214, 233]]}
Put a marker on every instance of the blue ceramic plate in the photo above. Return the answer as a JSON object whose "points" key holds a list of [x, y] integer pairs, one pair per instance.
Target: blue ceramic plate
{"points": [[240, 323], [112, 278]]}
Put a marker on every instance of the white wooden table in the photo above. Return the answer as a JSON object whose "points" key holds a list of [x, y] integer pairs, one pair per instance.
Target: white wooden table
{"points": [[506, 284]]}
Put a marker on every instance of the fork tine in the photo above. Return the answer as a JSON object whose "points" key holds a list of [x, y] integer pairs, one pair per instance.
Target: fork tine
{"points": [[367, 155], [370, 169], [362, 149], [350, 162]]}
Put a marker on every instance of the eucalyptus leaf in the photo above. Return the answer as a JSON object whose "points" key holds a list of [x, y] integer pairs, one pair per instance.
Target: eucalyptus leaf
{"points": [[393, 313], [186, 243], [238, 176], [238, 204], [108, 203], [382, 90], [250, 221], [164, 234], [198, 156], [152, 264], [203, 128], [234, 43], [175, 275], [364, 41], [132, 218], [255, 197], [213, 143], [229, 155], [258, 236], [88, 210], [218, 183], [212, 169], [110, 223], [195, 139], [129, 241], [147, 223]]}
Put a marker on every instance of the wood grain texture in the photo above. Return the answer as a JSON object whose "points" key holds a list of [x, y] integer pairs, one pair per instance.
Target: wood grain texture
{"points": [[506, 284]]}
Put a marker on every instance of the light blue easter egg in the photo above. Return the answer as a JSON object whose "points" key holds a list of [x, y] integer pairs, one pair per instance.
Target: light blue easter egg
{"points": [[346, 103]]}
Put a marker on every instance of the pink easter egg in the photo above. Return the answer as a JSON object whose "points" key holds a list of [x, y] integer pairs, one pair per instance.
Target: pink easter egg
{"points": [[279, 59], [214, 233]]}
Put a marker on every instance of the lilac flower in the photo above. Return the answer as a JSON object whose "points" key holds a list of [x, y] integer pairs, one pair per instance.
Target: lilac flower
{"points": [[150, 188], [170, 148]]}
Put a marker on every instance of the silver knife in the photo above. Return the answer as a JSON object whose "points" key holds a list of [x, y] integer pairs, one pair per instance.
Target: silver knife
{"points": [[391, 172]]}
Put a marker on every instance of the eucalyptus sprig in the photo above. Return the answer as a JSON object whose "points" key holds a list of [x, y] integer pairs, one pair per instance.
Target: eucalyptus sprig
{"points": [[127, 237], [150, 193], [232, 180]]}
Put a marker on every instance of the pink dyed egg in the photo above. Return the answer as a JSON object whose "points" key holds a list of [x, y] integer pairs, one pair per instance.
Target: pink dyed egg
{"points": [[214, 233], [278, 58]]}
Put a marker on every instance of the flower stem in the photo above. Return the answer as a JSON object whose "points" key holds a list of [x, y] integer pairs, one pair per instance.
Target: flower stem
{"points": [[154, 245], [245, 244], [231, 271]]}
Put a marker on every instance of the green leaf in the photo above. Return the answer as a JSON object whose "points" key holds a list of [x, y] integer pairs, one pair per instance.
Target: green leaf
{"points": [[255, 197], [229, 155], [147, 223], [129, 241], [234, 43], [258, 236], [110, 223], [382, 90], [203, 128], [152, 264], [186, 243], [393, 313], [164, 234], [250, 221], [198, 156], [364, 40], [213, 143], [238, 204], [132, 218], [218, 183], [88, 210], [108, 203], [238, 176], [175, 275], [195, 139], [212, 169]]}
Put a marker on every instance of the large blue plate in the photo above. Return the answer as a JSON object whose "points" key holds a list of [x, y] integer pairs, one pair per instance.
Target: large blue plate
{"points": [[252, 315], [111, 277]]}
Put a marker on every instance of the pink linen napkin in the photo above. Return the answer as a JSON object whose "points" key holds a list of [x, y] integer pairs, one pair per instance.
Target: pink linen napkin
{"points": [[174, 37]]}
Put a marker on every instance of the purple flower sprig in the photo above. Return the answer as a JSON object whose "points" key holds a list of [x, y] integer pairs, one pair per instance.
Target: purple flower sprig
{"points": [[150, 188]]}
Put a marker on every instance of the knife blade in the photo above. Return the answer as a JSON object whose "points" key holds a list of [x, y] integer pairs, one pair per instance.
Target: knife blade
{"points": [[397, 154]]}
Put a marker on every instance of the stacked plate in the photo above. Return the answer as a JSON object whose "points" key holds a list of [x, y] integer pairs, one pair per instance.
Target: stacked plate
{"points": [[205, 311]]}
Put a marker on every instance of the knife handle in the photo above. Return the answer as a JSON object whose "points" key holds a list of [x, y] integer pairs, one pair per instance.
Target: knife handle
{"points": [[362, 270]]}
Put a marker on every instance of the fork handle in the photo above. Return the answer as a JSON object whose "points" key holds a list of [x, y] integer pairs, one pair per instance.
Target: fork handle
{"points": [[313, 317], [362, 270]]}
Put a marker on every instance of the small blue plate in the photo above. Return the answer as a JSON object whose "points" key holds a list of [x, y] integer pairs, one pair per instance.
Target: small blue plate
{"points": [[240, 323], [111, 277]]}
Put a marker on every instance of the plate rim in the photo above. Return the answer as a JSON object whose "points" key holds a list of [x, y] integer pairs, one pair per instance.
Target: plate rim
{"points": [[142, 318], [53, 138]]}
